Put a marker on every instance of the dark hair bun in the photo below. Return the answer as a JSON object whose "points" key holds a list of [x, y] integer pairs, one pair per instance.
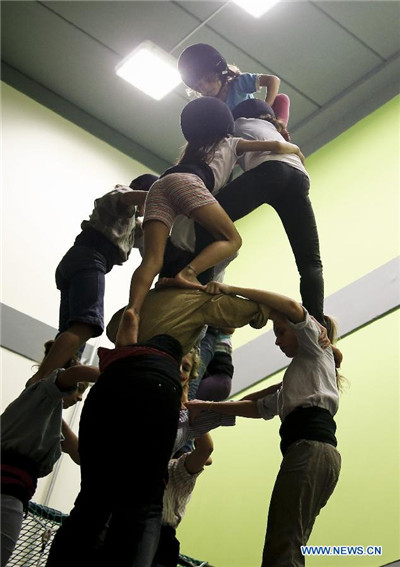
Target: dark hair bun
{"points": [[252, 108]]}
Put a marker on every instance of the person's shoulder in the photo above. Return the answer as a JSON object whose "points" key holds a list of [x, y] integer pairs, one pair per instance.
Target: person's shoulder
{"points": [[245, 81]]}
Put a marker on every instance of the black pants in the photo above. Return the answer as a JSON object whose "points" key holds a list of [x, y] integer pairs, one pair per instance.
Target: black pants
{"points": [[284, 188], [126, 435]]}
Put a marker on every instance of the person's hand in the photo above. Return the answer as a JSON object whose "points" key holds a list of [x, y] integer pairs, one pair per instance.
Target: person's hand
{"points": [[217, 287], [195, 408], [301, 156], [338, 356], [323, 339]]}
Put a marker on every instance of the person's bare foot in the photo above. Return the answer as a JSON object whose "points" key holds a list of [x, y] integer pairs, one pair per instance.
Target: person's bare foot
{"points": [[186, 279], [179, 281], [128, 329]]}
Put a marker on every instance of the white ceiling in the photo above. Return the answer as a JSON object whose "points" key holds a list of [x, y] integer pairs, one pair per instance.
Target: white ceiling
{"points": [[338, 61]]}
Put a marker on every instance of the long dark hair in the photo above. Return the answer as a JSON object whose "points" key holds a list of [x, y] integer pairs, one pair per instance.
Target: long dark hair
{"points": [[199, 154], [268, 118]]}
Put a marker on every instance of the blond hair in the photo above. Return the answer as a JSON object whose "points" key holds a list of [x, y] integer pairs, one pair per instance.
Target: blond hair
{"points": [[332, 332]]}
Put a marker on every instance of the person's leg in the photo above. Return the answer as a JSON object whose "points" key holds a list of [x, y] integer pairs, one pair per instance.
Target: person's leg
{"points": [[296, 213], [148, 546], [215, 387], [227, 242], [11, 522], [155, 237], [85, 297], [83, 527], [281, 107], [207, 348], [168, 548], [78, 538], [239, 198], [64, 348], [141, 485], [307, 477]]}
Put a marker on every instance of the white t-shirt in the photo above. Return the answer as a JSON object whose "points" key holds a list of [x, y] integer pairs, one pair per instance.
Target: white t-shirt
{"points": [[258, 129], [225, 158], [309, 380], [223, 162]]}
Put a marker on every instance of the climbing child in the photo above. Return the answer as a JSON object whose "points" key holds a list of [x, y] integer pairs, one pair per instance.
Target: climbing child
{"points": [[204, 70], [206, 163], [106, 239]]}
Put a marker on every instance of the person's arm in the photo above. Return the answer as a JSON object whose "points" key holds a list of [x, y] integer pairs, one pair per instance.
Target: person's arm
{"points": [[262, 393], [70, 377], [201, 454], [272, 83], [242, 408], [274, 146], [289, 307], [70, 443], [133, 197]]}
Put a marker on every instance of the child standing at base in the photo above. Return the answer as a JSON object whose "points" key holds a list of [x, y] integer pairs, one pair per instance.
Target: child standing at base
{"points": [[33, 434], [204, 70], [205, 165], [107, 239], [306, 401]]}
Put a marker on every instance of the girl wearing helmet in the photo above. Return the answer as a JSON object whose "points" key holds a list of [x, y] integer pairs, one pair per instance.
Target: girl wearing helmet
{"points": [[282, 182], [205, 165], [204, 70]]}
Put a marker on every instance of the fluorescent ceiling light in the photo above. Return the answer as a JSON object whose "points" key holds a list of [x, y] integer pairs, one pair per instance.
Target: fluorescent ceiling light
{"points": [[256, 7], [150, 69]]}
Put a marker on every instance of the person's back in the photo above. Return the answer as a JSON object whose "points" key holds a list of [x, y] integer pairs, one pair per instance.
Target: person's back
{"points": [[261, 129], [182, 313]]}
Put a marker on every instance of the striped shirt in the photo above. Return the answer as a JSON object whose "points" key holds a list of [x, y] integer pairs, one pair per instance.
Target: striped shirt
{"points": [[204, 423], [178, 492]]}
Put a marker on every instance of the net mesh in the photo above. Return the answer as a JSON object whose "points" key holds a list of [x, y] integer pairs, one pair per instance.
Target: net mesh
{"points": [[37, 532], [38, 529]]}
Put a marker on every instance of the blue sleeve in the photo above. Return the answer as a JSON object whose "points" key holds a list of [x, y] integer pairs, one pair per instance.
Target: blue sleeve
{"points": [[246, 82], [241, 88]]}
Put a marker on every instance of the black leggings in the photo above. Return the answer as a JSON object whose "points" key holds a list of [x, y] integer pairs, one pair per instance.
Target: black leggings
{"points": [[284, 188], [126, 435]]}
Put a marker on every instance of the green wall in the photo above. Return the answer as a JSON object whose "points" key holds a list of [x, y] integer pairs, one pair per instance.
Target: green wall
{"points": [[355, 194]]}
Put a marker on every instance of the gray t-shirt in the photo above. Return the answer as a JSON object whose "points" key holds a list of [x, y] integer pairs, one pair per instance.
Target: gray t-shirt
{"points": [[114, 220], [31, 424]]}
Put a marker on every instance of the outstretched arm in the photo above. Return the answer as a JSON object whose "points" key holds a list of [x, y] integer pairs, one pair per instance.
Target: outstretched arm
{"points": [[289, 307], [70, 377], [262, 393], [242, 408], [274, 146]]}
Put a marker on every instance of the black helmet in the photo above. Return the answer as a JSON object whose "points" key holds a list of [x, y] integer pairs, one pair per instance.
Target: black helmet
{"points": [[205, 119], [199, 59], [252, 108], [143, 182]]}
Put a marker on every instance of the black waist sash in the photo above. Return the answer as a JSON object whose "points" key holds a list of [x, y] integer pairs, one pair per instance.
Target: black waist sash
{"points": [[312, 423], [202, 170]]}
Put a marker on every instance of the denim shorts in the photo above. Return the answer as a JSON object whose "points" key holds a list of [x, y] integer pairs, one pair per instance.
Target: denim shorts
{"points": [[80, 277]]}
